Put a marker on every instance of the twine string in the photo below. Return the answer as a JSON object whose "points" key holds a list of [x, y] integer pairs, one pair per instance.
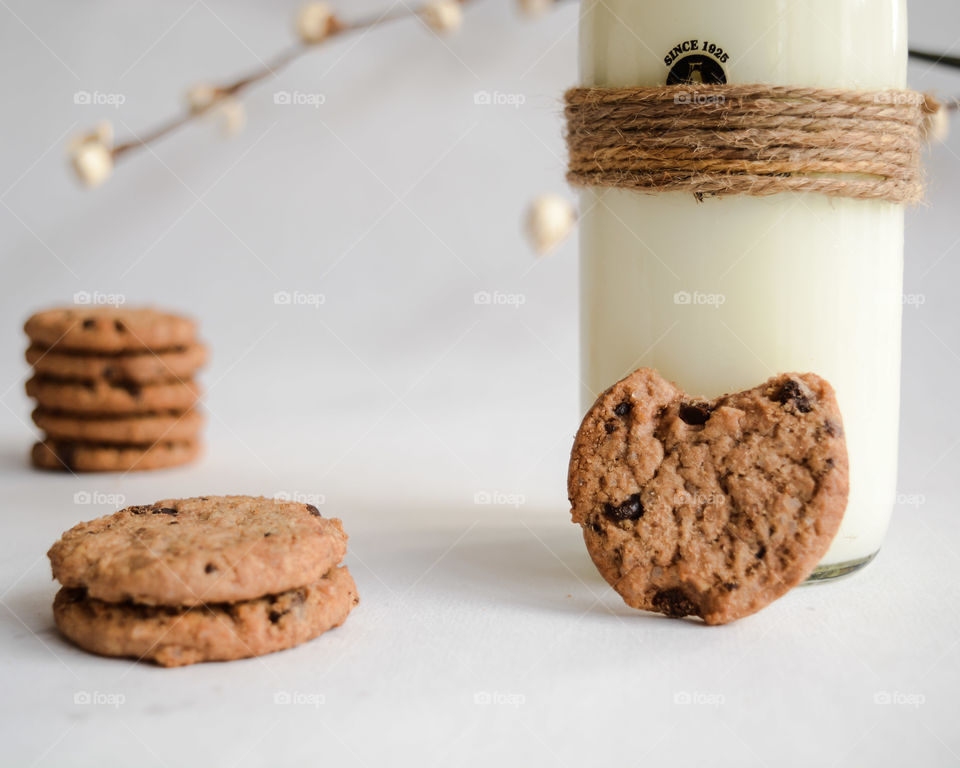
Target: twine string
{"points": [[756, 140]]}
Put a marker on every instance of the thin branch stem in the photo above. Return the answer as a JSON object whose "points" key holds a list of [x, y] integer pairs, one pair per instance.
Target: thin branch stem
{"points": [[268, 71]]}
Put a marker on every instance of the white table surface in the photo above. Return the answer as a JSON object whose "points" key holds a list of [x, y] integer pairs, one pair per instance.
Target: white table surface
{"points": [[484, 634]]}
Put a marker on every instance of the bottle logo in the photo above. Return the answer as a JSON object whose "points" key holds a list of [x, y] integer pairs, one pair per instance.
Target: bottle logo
{"points": [[696, 62], [696, 69]]}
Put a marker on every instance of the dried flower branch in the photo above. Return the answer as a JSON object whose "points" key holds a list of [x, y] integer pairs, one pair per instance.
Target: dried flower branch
{"points": [[94, 154]]}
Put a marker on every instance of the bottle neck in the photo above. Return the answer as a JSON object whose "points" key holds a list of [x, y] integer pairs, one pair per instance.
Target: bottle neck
{"points": [[817, 43]]}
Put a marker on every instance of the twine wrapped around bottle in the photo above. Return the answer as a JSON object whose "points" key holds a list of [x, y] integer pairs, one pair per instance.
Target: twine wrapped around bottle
{"points": [[715, 140]]}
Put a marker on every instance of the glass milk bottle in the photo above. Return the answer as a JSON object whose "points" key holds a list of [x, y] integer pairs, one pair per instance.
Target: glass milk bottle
{"points": [[721, 294]]}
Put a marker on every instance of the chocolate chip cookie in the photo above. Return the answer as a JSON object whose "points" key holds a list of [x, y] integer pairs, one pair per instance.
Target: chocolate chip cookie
{"points": [[709, 508], [124, 430], [124, 367], [173, 636], [209, 549], [86, 456], [112, 397], [109, 329]]}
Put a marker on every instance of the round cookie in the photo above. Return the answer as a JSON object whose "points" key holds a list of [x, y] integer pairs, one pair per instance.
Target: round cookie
{"points": [[111, 398], [209, 549], [134, 367], [709, 508], [109, 329], [173, 637], [74, 456], [146, 429]]}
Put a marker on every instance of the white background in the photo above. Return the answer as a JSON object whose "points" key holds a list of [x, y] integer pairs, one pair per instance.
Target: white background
{"points": [[484, 632]]}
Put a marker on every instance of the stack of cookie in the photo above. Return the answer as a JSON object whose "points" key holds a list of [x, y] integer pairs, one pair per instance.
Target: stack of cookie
{"points": [[211, 578], [115, 388]]}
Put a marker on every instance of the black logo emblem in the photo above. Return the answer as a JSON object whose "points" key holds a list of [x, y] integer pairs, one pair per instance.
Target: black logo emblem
{"points": [[696, 68]]}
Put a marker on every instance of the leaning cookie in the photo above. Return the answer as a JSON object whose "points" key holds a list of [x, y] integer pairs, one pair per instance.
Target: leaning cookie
{"points": [[209, 549], [76, 456], [709, 508], [174, 637]]}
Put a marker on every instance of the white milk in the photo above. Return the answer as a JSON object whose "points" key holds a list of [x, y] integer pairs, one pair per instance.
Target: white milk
{"points": [[719, 295]]}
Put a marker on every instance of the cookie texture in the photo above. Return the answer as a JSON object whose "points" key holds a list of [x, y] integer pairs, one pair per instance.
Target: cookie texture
{"points": [[208, 549], [174, 637], [138, 430], [132, 367], [74, 456], [109, 329], [112, 397], [709, 508]]}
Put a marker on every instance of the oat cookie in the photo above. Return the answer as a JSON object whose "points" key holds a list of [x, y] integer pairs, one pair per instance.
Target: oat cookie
{"points": [[138, 430], [105, 397], [109, 329], [709, 508], [133, 367], [76, 456], [209, 549], [173, 637]]}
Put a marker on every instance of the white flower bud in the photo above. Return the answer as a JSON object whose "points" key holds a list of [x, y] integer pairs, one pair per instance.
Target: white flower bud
{"points": [[550, 220], [200, 97], [443, 16], [315, 22], [92, 161], [92, 155]]}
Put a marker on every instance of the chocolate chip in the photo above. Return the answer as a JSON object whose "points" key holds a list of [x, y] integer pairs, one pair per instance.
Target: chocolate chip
{"points": [[631, 509], [140, 510], [694, 414], [275, 616], [791, 392], [121, 328], [89, 323], [618, 557], [313, 510], [730, 585], [761, 553], [623, 409], [597, 528], [209, 568], [165, 511], [131, 388], [610, 427], [674, 602], [832, 428]]}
